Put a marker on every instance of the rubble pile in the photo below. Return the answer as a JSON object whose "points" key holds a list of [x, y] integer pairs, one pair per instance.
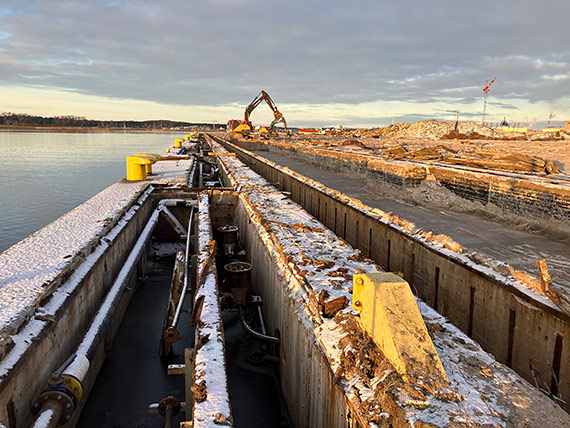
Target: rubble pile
{"points": [[440, 129], [548, 136], [389, 131], [514, 162]]}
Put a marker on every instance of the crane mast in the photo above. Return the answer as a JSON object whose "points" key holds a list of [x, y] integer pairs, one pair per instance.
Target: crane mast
{"points": [[485, 94]]}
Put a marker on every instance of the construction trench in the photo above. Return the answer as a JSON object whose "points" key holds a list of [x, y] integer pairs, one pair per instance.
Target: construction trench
{"points": [[238, 293]]}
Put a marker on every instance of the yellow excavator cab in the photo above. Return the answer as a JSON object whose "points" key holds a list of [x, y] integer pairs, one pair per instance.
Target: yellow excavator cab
{"points": [[242, 128]]}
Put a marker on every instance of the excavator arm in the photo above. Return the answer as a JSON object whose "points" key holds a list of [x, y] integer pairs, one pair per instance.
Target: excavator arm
{"points": [[278, 116]]}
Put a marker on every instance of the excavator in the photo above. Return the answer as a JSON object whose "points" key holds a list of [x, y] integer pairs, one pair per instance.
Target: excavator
{"points": [[246, 125]]}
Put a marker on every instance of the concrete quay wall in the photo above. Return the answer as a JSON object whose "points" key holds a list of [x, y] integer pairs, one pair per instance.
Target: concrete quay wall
{"points": [[520, 329], [538, 197], [512, 195], [307, 381], [55, 341]]}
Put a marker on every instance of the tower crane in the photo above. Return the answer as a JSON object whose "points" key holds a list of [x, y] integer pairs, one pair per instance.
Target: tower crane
{"points": [[485, 94]]}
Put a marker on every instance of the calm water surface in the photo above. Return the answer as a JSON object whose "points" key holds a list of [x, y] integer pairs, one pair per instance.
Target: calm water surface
{"points": [[43, 175]]}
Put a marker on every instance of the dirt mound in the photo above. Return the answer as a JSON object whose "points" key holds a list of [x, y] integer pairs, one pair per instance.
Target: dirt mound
{"points": [[388, 131], [352, 142], [441, 129], [437, 129]]}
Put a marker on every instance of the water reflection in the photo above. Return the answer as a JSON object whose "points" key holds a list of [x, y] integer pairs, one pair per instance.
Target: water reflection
{"points": [[46, 174]]}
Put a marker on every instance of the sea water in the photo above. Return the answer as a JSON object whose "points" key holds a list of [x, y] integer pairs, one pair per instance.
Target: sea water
{"points": [[44, 174]]}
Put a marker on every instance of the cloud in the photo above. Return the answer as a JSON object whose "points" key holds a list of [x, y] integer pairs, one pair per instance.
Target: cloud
{"points": [[219, 52]]}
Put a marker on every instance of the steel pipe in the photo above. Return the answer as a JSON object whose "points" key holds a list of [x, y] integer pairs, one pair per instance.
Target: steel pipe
{"points": [[186, 276], [65, 386], [100, 323], [50, 416], [178, 202], [254, 333], [261, 320], [192, 176], [173, 220], [170, 333]]}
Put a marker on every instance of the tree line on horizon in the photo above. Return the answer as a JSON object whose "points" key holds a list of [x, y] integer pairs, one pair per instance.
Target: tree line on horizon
{"points": [[23, 119]]}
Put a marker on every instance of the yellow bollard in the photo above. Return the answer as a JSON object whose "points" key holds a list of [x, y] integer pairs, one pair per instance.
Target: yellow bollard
{"points": [[136, 168], [178, 142], [152, 157]]}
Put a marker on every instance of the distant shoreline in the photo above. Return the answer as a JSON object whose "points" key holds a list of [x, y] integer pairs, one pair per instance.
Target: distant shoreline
{"points": [[87, 128]]}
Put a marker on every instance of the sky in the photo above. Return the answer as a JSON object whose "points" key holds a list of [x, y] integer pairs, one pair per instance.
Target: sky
{"points": [[353, 63]]}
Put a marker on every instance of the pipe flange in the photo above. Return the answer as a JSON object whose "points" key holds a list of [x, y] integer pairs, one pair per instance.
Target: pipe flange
{"points": [[170, 335], [59, 397], [73, 386], [169, 401]]}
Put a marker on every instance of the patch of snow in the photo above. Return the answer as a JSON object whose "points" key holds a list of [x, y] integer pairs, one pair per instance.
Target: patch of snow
{"points": [[53, 306], [43, 419], [171, 172], [210, 360], [31, 269]]}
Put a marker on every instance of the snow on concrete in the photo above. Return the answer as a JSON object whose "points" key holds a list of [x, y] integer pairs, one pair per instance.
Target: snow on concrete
{"points": [[316, 263], [171, 172], [490, 390], [80, 365], [34, 267], [43, 315], [31, 269], [211, 397]]}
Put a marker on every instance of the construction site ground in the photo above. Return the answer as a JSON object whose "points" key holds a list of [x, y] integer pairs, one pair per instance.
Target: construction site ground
{"points": [[432, 147], [504, 238]]}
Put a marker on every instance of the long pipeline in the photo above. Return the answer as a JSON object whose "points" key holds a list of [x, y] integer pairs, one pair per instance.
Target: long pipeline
{"points": [[65, 386], [186, 276], [254, 333], [171, 334]]}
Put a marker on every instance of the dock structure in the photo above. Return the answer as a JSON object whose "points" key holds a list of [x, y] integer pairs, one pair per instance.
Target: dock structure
{"points": [[278, 280]]}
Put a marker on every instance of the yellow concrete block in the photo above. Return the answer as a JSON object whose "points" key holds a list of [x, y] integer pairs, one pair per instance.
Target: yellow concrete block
{"points": [[512, 129], [390, 314]]}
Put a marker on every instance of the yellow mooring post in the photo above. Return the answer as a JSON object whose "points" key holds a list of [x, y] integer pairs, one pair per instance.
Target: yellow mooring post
{"points": [[136, 168], [390, 315], [178, 142], [187, 137], [152, 157]]}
